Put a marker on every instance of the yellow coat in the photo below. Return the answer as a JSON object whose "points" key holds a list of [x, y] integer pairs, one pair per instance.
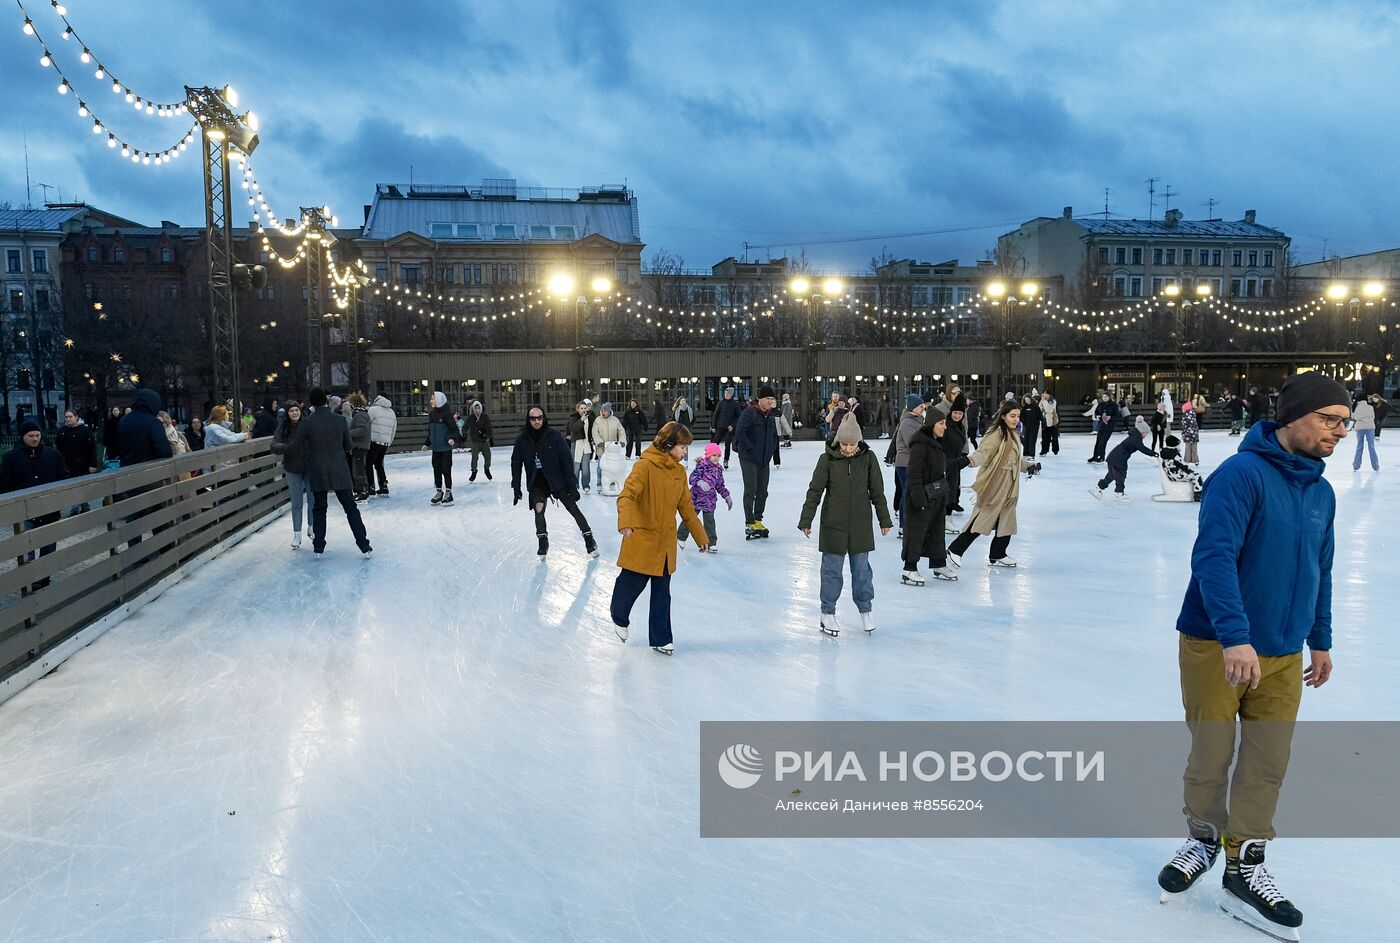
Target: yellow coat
{"points": [[655, 490], [998, 486]]}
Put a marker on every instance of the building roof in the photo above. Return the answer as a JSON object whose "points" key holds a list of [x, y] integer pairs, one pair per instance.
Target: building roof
{"points": [[1184, 229], [609, 211], [1382, 264], [45, 220]]}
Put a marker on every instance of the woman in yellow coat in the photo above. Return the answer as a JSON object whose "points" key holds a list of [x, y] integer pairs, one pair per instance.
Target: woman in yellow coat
{"points": [[999, 464], [655, 491]]}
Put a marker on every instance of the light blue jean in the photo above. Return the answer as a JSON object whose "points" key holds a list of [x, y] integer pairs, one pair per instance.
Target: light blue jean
{"points": [[299, 489], [1366, 437], [584, 470], [862, 581]]}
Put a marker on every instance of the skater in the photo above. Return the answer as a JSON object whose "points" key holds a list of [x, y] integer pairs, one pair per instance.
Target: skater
{"points": [[266, 422], [756, 440], [326, 439], [658, 414], [480, 437], [1159, 426], [974, 424], [682, 413], [1258, 406], [1261, 587], [634, 421], [885, 413], [1363, 417], [442, 437], [609, 440], [1382, 408], [552, 472], [383, 425], [360, 425], [655, 492], [847, 482], [910, 422], [1234, 408], [1190, 432], [723, 420], [706, 488], [1118, 461], [580, 436], [1030, 424], [295, 462], [785, 417], [955, 456], [1049, 424], [927, 498], [1105, 419], [999, 464]]}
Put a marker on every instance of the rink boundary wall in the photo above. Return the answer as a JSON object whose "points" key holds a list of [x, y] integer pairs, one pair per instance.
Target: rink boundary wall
{"points": [[97, 576]]}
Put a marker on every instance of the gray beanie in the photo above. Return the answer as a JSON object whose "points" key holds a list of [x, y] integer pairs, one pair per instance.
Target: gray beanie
{"points": [[1308, 392], [849, 433]]}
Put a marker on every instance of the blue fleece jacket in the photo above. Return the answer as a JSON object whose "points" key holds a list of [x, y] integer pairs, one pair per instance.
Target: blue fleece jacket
{"points": [[1261, 569]]}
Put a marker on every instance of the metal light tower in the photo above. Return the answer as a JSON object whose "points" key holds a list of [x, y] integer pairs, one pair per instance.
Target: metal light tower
{"points": [[317, 222], [221, 129]]}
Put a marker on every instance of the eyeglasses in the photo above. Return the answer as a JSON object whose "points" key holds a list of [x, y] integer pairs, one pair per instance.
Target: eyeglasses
{"points": [[537, 419], [1336, 422]]}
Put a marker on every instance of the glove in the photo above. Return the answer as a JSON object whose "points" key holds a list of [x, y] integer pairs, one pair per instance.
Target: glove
{"points": [[517, 495]]}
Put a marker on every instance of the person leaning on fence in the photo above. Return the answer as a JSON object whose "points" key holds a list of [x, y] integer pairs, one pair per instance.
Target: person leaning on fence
{"points": [[76, 444], [29, 465]]}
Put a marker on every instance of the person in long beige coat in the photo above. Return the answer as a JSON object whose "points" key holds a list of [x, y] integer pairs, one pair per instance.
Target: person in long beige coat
{"points": [[656, 490], [999, 464]]}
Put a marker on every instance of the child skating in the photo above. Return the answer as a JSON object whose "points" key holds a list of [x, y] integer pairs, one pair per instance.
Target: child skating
{"points": [[706, 488], [1118, 461]]}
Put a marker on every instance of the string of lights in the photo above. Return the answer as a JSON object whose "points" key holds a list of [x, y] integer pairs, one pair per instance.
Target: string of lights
{"points": [[143, 104], [119, 145]]}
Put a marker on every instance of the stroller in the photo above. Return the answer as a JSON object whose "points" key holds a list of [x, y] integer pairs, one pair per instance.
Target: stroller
{"points": [[1180, 482]]}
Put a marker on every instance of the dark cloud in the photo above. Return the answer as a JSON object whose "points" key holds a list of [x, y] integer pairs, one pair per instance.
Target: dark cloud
{"points": [[596, 41], [383, 151]]}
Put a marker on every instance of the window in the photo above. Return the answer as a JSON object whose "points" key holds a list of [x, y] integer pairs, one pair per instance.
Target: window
{"points": [[271, 293], [1266, 288], [1156, 256], [1103, 255], [440, 230], [511, 399], [514, 274], [126, 291], [477, 275], [1214, 258], [87, 291], [1171, 256], [539, 232], [564, 232], [1268, 258], [1236, 258], [1137, 255], [410, 274], [16, 300], [263, 256], [1251, 288], [1253, 258], [1235, 288], [41, 299], [504, 232], [24, 381], [1185, 256], [167, 255], [531, 275], [172, 291], [381, 271], [1157, 286], [445, 274], [1120, 286], [467, 231], [119, 254], [92, 254], [622, 275], [1135, 287], [705, 295], [13, 261]]}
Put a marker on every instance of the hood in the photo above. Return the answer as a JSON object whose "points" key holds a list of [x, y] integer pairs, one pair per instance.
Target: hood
{"points": [[526, 428], [267, 404], [1299, 469], [834, 450], [147, 401], [476, 408], [381, 401], [439, 399], [659, 458]]}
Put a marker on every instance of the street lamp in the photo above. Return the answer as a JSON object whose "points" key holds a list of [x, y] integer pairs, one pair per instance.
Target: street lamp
{"points": [[1007, 302], [816, 342]]}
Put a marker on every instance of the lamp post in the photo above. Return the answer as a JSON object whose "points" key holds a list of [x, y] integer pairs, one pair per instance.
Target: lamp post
{"points": [[1006, 340], [815, 298]]}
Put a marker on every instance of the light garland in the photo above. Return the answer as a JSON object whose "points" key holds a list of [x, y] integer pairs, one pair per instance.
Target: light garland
{"points": [[124, 148]]}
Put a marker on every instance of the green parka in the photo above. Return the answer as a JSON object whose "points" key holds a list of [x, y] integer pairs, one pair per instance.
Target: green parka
{"points": [[851, 486]]}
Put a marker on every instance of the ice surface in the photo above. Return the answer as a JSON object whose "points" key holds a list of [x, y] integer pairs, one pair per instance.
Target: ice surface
{"points": [[448, 743]]}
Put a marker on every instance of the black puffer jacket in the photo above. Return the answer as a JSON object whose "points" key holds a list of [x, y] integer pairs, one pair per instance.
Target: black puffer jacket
{"points": [[78, 448], [555, 457], [927, 463], [295, 457], [634, 421], [140, 435], [23, 467]]}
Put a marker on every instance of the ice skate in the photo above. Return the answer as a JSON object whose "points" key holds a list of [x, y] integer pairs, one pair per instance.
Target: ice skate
{"points": [[446, 497], [318, 555], [590, 546], [1097, 492], [1251, 896], [829, 625], [900, 535], [621, 632], [544, 545], [488, 474], [309, 535], [471, 478], [668, 649], [951, 530], [955, 559], [1192, 860], [383, 492], [943, 573], [712, 549], [1121, 498], [911, 578], [867, 622], [1006, 562], [758, 526], [752, 532], [437, 498], [367, 552], [296, 540]]}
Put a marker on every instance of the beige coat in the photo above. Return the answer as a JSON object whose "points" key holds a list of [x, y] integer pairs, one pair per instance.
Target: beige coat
{"points": [[998, 486]]}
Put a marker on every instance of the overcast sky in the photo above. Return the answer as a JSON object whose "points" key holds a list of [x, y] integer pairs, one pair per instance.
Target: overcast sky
{"points": [[778, 124]]}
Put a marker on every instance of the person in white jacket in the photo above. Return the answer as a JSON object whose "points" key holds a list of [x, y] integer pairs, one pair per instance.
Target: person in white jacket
{"points": [[383, 425], [609, 444], [1364, 415]]}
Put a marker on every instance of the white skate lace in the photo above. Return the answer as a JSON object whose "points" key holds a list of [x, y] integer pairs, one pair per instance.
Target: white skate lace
{"points": [[1194, 856], [1261, 882]]}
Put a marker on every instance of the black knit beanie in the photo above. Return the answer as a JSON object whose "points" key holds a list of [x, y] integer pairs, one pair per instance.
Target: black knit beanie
{"points": [[1308, 392]]}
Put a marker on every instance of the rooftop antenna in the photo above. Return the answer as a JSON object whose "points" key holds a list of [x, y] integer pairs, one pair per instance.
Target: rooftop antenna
{"points": [[746, 252], [46, 187], [28, 190], [1167, 196], [1152, 196], [1106, 212], [1210, 209], [410, 177]]}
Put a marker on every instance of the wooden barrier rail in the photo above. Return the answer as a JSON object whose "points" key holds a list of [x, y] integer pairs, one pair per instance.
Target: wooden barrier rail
{"points": [[95, 568]]}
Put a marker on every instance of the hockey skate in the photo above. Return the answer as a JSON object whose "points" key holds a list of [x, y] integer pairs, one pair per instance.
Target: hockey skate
{"points": [[437, 498], [758, 525], [446, 497], [544, 546], [1252, 898], [1192, 860], [590, 546]]}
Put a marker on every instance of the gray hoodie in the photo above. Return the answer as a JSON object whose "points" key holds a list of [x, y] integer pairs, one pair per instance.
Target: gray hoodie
{"points": [[908, 425]]}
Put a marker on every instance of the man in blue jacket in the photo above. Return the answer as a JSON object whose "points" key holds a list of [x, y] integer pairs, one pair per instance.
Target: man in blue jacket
{"points": [[1261, 586], [756, 441]]}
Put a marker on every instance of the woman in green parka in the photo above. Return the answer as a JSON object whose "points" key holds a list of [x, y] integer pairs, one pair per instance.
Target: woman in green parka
{"points": [[848, 476]]}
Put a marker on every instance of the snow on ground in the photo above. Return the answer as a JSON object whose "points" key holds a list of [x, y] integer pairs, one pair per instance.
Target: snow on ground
{"points": [[448, 743]]}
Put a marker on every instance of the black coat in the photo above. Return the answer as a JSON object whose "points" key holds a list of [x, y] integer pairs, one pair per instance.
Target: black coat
{"points": [[265, 424], [1235, 409], [634, 421], [1124, 450], [295, 457], [726, 415], [1158, 422], [581, 430], [78, 448], [326, 438], [140, 435], [658, 415], [928, 462], [954, 457], [1108, 415], [478, 429], [195, 439], [1258, 407], [23, 467], [556, 460], [1030, 419], [109, 434]]}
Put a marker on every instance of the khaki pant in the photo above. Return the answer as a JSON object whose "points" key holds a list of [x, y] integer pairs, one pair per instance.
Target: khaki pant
{"points": [[1266, 734]]}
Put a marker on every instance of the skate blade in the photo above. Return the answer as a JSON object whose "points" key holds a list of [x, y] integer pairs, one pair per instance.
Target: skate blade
{"points": [[1250, 917], [834, 633], [912, 582]]}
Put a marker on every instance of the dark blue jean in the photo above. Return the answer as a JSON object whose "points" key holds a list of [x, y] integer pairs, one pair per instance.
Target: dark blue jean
{"points": [[628, 587]]}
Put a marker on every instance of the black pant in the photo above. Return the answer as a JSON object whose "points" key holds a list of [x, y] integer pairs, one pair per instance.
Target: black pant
{"points": [[965, 539], [628, 587], [374, 465], [923, 534], [634, 441], [1050, 439], [442, 470], [1117, 476], [1158, 439], [1101, 441], [539, 500], [724, 437], [358, 458], [954, 490], [483, 450], [1028, 441], [755, 489], [352, 515]]}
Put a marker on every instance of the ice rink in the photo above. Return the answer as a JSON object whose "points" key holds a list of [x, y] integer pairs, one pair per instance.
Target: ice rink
{"points": [[447, 742]]}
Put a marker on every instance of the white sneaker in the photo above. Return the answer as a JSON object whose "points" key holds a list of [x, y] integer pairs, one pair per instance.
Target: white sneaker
{"points": [[1121, 498], [668, 649], [620, 631], [867, 622], [829, 625], [1097, 492], [943, 573], [1004, 561], [296, 540]]}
